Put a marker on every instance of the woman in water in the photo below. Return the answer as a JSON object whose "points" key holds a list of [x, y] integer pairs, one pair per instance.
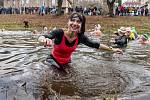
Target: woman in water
{"points": [[65, 42]]}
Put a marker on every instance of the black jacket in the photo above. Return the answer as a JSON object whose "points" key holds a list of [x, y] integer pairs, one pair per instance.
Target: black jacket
{"points": [[121, 41]]}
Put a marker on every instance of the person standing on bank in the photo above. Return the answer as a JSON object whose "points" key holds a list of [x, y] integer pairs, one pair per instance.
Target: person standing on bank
{"points": [[65, 42]]}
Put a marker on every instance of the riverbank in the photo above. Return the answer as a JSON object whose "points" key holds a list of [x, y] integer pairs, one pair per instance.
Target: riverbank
{"points": [[37, 22]]}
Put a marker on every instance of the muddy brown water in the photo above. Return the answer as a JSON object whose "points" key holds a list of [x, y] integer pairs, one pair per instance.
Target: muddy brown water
{"points": [[93, 74]]}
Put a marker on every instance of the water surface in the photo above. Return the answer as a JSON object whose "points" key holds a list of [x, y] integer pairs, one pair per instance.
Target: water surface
{"points": [[93, 74]]}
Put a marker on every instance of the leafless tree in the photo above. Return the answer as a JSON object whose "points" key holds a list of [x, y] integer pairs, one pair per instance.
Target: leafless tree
{"points": [[59, 3], [110, 4]]}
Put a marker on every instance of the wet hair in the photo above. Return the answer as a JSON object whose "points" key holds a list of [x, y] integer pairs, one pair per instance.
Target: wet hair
{"points": [[81, 18]]}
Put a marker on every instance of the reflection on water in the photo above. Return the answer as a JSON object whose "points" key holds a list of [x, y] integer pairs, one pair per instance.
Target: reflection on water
{"points": [[24, 74]]}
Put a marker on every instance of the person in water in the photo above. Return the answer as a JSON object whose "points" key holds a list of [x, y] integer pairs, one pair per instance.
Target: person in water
{"points": [[144, 39], [131, 33], [65, 42], [121, 39]]}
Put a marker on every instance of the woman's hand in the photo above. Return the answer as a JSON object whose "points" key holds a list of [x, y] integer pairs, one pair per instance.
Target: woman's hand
{"points": [[45, 41], [48, 42], [109, 48], [117, 50]]}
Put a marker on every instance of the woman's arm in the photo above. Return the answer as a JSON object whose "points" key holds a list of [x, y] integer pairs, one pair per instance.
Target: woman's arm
{"points": [[85, 40], [108, 48], [46, 40]]}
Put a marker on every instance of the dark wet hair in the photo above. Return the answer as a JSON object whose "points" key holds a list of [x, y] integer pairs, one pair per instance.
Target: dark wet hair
{"points": [[81, 18]]}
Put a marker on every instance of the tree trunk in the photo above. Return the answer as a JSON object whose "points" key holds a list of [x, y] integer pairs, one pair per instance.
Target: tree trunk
{"points": [[120, 2], [110, 4], [70, 2], [59, 2]]}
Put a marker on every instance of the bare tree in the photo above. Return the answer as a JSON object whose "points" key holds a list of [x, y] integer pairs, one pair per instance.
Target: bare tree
{"points": [[2, 3], [59, 2], [70, 2], [110, 4], [119, 2]]}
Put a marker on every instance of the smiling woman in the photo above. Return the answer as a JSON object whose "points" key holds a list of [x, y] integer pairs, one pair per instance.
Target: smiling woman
{"points": [[65, 42]]}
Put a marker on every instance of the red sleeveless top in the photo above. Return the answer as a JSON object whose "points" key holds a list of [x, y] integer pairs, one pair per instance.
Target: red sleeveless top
{"points": [[62, 52]]}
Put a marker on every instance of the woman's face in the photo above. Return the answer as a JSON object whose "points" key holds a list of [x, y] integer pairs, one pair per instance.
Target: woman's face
{"points": [[141, 39], [74, 24]]}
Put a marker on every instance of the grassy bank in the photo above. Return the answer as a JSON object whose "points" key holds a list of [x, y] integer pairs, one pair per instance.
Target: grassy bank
{"points": [[15, 22]]}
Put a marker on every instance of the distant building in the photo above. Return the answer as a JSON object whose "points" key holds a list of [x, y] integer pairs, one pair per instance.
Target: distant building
{"points": [[144, 1], [27, 3], [132, 4], [30, 3], [136, 3]]}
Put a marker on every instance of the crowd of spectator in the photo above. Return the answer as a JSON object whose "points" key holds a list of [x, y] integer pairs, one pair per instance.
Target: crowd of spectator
{"points": [[26, 10], [49, 10], [132, 11], [89, 10], [119, 11]]}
